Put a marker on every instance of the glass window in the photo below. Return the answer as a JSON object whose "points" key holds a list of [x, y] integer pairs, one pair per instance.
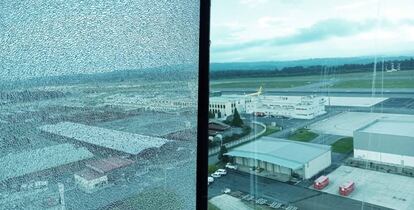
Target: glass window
{"points": [[98, 104], [325, 105]]}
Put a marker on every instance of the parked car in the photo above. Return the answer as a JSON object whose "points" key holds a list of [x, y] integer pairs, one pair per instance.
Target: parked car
{"points": [[230, 166], [210, 180], [222, 171], [226, 191], [216, 175]]}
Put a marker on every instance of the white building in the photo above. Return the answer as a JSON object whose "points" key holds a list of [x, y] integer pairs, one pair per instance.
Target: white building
{"points": [[300, 107], [386, 140], [282, 157], [226, 104], [89, 180]]}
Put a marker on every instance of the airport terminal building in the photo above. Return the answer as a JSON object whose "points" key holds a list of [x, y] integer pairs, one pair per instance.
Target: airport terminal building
{"points": [[299, 107], [386, 140], [279, 157]]}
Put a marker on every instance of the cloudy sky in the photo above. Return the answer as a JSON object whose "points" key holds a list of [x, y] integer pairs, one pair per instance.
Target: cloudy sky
{"points": [[264, 30]]}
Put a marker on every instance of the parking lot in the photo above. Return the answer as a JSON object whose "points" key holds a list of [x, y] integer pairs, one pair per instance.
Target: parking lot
{"points": [[288, 194], [281, 121], [389, 190]]}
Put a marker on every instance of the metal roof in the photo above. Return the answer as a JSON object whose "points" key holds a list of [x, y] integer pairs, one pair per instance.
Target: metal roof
{"points": [[399, 127], [286, 153], [108, 164], [89, 174], [30, 161], [130, 143]]}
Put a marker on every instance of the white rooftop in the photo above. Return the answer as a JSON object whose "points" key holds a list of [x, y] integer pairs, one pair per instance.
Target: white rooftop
{"points": [[346, 123], [30, 161], [224, 99], [130, 143], [392, 127]]}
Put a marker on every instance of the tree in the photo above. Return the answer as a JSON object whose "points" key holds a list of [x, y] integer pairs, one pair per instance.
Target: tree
{"points": [[221, 156], [237, 121], [219, 114]]}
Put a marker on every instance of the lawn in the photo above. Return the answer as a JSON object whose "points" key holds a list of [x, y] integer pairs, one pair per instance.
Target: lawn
{"points": [[270, 130], [400, 79], [344, 145], [394, 83], [303, 135], [212, 168]]}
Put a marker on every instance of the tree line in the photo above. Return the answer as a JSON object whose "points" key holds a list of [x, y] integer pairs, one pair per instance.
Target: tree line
{"points": [[407, 64]]}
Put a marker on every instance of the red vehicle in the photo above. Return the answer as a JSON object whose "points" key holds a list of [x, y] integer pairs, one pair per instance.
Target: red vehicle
{"points": [[321, 182], [346, 188]]}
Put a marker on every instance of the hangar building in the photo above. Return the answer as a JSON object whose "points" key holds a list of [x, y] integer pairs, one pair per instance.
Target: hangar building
{"points": [[386, 140], [283, 157], [102, 138], [30, 164]]}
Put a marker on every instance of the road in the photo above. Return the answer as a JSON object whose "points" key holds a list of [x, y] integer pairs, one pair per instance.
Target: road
{"points": [[290, 125], [304, 198]]}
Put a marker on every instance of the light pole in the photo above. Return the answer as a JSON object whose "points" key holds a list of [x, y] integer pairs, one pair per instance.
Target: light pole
{"points": [[62, 195]]}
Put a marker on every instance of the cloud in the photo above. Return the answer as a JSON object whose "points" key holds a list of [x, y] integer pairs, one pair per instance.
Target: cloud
{"points": [[320, 31], [250, 2], [269, 21]]}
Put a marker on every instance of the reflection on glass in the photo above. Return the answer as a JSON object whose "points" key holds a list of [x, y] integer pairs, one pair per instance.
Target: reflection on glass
{"points": [[311, 105], [98, 104]]}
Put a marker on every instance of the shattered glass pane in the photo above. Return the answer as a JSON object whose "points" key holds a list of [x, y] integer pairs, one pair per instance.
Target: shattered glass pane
{"points": [[98, 104]]}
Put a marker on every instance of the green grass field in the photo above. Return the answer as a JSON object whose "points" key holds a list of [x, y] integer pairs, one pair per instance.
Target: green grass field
{"points": [[400, 83], [344, 145], [303, 135], [400, 79], [270, 130]]}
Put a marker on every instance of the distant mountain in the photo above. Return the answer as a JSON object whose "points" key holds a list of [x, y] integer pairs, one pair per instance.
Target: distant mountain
{"points": [[162, 73], [273, 65]]}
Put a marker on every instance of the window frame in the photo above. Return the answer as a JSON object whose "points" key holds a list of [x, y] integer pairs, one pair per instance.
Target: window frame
{"points": [[203, 106]]}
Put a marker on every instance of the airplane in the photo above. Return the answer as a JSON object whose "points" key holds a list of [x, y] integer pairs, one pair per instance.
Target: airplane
{"points": [[258, 93], [393, 69]]}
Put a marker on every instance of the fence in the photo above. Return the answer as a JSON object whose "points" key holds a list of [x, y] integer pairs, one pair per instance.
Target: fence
{"points": [[215, 150]]}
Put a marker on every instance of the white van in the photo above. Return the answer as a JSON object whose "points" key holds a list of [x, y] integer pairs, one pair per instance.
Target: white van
{"points": [[210, 180]]}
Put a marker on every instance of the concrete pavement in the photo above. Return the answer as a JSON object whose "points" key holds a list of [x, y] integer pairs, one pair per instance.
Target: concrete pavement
{"points": [[269, 189]]}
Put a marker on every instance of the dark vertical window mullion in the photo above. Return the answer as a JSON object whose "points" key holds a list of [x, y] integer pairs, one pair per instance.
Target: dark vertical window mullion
{"points": [[203, 101]]}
